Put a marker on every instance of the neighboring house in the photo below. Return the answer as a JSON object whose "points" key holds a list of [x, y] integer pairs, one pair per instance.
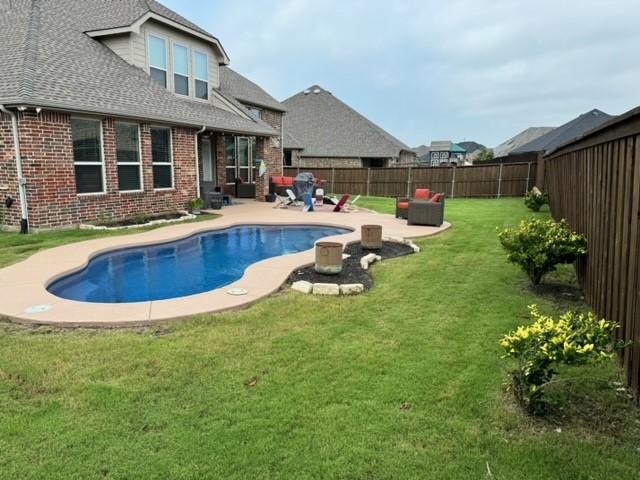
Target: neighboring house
{"points": [[571, 130], [520, 139], [472, 149], [122, 108], [322, 131], [445, 152]]}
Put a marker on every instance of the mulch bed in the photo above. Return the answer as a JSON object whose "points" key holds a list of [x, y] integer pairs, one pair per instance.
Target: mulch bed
{"points": [[352, 272]]}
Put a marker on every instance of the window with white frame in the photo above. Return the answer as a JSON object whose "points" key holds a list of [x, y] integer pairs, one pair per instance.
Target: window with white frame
{"points": [[201, 75], [180, 69], [128, 157], [255, 112], [158, 59], [161, 157], [87, 155]]}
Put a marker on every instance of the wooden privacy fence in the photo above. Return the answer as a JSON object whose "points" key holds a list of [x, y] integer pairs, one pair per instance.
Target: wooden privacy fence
{"points": [[594, 183], [509, 180]]}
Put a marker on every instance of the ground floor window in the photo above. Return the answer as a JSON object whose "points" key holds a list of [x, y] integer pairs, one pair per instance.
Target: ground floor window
{"points": [[161, 157], [288, 158], [240, 159], [128, 157], [87, 155]]}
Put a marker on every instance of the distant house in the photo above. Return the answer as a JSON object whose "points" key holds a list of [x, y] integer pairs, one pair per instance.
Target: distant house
{"points": [[473, 149], [322, 131], [444, 152], [569, 131], [522, 138]]}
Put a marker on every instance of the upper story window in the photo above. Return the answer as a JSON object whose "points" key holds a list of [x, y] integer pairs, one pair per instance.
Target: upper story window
{"points": [[256, 112], [158, 59], [201, 75], [181, 69], [87, 155]]}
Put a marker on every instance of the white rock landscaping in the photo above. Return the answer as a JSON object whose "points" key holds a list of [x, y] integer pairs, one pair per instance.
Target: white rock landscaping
{"points": [[368, 260], [351, 289], [302, 286], [326, 289]]}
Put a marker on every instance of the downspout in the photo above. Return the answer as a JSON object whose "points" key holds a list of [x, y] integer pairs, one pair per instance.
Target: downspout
{"points": [[198, 162], [22, 183]]}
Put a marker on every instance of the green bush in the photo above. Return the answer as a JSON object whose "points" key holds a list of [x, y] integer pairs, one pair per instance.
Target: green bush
{"points": [[538, 246], [573, 339], [535, 199], [196, 204]]}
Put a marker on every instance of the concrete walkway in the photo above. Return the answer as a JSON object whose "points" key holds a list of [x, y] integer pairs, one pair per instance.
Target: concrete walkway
{"points": [[24, 298]]}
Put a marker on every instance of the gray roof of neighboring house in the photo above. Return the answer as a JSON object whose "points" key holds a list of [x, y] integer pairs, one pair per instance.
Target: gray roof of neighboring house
{"points": [[244, 90], [520, 139], [290, 141], [421, 150], [565, 133], [53, 64], [471, 146], [327, 127]]}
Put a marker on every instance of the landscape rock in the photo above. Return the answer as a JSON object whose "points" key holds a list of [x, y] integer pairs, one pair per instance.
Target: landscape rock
{"points": [[302, 286], [326, 289], [351, 289], [369, 259]]}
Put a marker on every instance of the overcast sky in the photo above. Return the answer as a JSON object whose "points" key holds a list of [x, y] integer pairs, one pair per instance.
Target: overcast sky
{"points": [[478, 70]]}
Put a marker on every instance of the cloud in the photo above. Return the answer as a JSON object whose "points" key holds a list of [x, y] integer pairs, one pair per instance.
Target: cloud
{"points": [[425, 70]]}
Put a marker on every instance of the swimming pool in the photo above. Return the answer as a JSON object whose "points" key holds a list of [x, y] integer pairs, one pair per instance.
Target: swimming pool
{"points": [[197, 264]]}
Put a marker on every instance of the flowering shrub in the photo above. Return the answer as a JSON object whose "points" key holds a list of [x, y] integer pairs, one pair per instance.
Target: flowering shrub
{"points": [[535, 199], [573, 339], [539, 245]]}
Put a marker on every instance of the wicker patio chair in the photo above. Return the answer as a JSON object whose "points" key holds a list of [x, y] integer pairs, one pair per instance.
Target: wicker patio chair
{"points": [[402, 203], [425, 212]]}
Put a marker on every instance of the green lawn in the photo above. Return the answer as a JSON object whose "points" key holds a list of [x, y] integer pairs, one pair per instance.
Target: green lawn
{"points": [[405, 381]]}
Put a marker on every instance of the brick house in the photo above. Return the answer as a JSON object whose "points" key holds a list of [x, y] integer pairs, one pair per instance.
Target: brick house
{"points": [[115, 108], [322, 131]]}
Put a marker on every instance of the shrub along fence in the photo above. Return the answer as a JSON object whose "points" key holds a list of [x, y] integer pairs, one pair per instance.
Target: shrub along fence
{"points": [[504, 180], [594, 183]]}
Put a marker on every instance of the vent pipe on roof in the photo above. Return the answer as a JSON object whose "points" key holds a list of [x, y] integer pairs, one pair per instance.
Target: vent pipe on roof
{"points": [[22, 183]]}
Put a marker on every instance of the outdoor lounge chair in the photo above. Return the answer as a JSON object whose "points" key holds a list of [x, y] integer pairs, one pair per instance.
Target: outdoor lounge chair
{"points": [[341, 206], [281, 202], [292, 198], [427, 212], [402, 203]]}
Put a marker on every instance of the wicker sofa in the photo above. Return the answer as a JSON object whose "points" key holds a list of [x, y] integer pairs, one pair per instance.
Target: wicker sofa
{"points": [[402, 203], [426, 212]]}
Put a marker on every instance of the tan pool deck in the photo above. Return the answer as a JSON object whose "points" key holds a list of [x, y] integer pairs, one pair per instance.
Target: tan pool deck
{"points": [[23, 285]]}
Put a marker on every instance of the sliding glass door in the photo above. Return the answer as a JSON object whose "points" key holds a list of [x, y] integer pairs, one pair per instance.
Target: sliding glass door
{"points": [[240, 159]]}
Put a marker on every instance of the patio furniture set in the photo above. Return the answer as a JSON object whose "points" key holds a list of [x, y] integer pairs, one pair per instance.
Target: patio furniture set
{"points": [[424, 208]]}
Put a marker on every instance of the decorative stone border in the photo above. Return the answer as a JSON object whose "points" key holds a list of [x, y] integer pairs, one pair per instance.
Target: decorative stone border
{"points": [[186, 216], [403, 241], [327, 288]]}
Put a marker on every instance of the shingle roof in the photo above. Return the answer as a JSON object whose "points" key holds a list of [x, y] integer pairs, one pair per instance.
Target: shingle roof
{"points": [[53, 63], [565, 133], [327, 127], [244, 90], [522, 138]]}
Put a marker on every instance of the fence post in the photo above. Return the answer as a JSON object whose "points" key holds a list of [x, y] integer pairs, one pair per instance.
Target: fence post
{"points": [[500, 181], [368, 180], [526, 188], [453, 181], [333, 180], [409, 182]]}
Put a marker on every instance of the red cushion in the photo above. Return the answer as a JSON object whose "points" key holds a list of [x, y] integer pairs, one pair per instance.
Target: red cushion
{"points": [[287, 181], [403, 205], [423, 193], [276, 180], [436, 198]]}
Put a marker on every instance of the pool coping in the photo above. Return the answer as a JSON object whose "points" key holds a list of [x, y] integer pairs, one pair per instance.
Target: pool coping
{"points": [[24, 285]]}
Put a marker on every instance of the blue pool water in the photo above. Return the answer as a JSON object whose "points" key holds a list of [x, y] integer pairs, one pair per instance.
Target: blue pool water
{"points": [[196, 264]]}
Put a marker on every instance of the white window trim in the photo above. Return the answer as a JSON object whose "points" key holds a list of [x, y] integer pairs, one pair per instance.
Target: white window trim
{"points": [[189, 70], [168, 60], [195, 77], [170, 163], [139, 163], [101, 163]]}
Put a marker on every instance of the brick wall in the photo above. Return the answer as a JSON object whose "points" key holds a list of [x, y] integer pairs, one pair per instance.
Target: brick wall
{"points": [[8, 175], [47, 152], [324, 162], [270, 150]]}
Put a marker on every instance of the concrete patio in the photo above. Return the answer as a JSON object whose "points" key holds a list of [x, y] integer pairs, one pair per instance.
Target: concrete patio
{"points": [[25, 299]]}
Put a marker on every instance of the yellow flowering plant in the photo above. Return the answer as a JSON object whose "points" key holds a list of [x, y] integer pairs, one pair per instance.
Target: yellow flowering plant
{"points": [[539, 245], [573, 339], [535, 199]]}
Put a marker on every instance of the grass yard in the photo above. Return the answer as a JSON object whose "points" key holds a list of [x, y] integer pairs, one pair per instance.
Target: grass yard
{"points": [[405, 381]]}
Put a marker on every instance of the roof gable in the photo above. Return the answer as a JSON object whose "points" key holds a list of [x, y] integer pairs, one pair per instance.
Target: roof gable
{"points": [[244, 90], [327, 127]]}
